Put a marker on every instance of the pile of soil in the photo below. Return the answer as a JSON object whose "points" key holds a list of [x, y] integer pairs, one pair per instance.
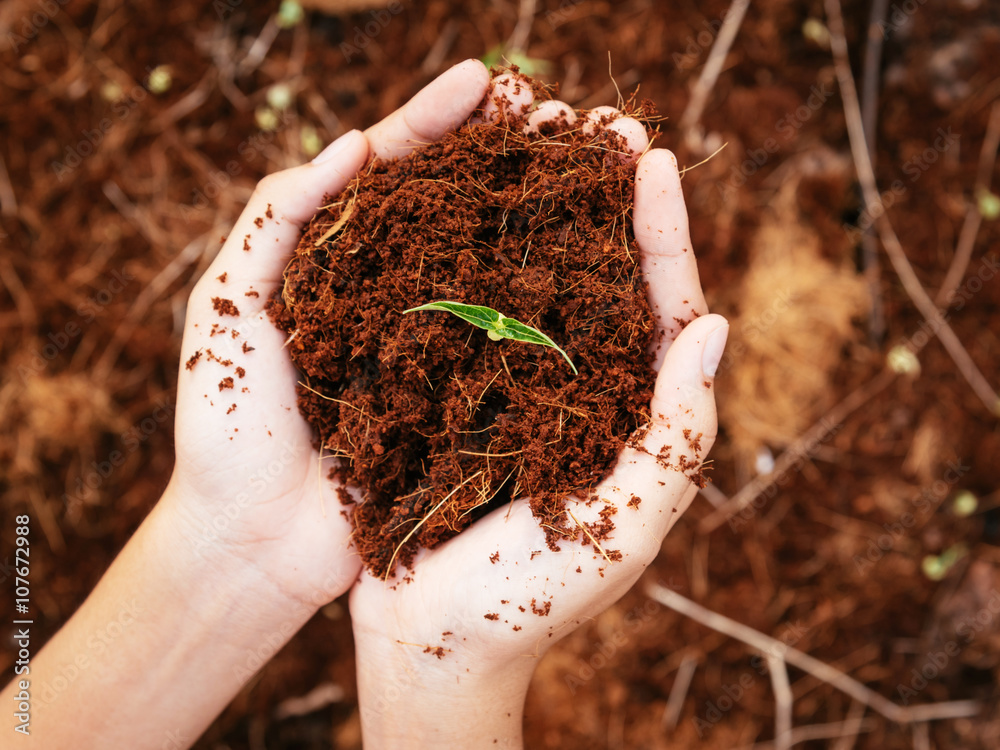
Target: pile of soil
{"points": [[434, 421]]}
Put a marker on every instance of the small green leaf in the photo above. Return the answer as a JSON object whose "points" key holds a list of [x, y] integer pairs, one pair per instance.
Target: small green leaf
{"points": [[484, 317], [497, 325]]}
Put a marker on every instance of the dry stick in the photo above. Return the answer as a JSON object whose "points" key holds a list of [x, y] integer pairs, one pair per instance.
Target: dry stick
{"points": [[518, 41], [852, 727], [869, 116], [783, 701], [814, 732], [160, 283], [818, 669], [713, 66], [678, 692], [893, 248], [801, 448], [973, 219]]}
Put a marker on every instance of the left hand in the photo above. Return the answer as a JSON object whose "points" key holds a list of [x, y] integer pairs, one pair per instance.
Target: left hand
{"points": [[249, 488]]}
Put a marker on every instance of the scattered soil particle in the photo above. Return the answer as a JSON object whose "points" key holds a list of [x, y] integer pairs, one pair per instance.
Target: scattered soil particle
{"points": [[225, 383], [223, 276], [212, 358], [217, 330], [224, 306], [246, 244], [251, 293], [516, 627], [247, 348], [437, 651], [258, 222], [491, 616], [234, 333], [495, 557], [634, 501], [231, 409], [192, 360], [269, 213], [542, 611], [426, 407], [240, 372]]}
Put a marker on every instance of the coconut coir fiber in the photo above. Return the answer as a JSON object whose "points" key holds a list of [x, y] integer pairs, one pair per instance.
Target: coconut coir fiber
{"points": [[433, 421]]}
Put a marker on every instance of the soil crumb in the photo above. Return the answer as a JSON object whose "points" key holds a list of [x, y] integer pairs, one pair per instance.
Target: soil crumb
{"points": [[224, 306]]}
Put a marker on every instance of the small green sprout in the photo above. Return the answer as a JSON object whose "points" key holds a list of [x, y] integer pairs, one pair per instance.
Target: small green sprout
{"points": [[964, 504], [497, 325], [936, 567], [290, 14], [989, 205]]}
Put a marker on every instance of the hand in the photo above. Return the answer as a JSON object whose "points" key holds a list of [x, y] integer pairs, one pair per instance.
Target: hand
{"points": [[248, 484], [454, 649]]}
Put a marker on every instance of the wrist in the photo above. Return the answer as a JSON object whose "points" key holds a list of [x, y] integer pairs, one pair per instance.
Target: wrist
{"points": [[412, 698]]}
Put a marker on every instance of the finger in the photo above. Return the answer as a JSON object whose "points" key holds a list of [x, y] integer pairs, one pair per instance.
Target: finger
{"points": [[508, 94], [630, 129], [548, 111], [441, 106], [667, 260], [657, 476]]}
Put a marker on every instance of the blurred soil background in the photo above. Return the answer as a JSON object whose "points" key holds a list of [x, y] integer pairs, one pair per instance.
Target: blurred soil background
{"points": [[131, 134]]}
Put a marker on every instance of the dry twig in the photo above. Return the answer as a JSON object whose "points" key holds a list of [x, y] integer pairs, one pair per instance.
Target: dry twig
{"points": [[678, 692], [873, 203], [713, 66], [973, 219], [800, 449], [783, 701], [822, 671]]}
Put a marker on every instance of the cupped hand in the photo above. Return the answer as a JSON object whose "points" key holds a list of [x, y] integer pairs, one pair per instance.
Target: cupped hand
{"points": [[480, 609], [249, 487]]}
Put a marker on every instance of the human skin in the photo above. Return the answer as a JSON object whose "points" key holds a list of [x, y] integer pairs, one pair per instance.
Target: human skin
{"points": [[247, 542]]}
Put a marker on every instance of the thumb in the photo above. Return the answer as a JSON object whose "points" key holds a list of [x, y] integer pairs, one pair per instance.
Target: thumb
{"points": [[662, 463]]}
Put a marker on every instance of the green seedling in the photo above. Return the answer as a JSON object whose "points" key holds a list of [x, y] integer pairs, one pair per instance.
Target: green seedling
{"points": [[497, 325]]}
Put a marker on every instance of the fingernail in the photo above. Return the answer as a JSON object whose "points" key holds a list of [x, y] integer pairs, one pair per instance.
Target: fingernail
{"points": [[334, 148], [711, 355]]}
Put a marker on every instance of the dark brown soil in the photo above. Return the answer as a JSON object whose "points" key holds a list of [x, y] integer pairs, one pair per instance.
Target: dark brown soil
{"points": [[433, 420]]}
